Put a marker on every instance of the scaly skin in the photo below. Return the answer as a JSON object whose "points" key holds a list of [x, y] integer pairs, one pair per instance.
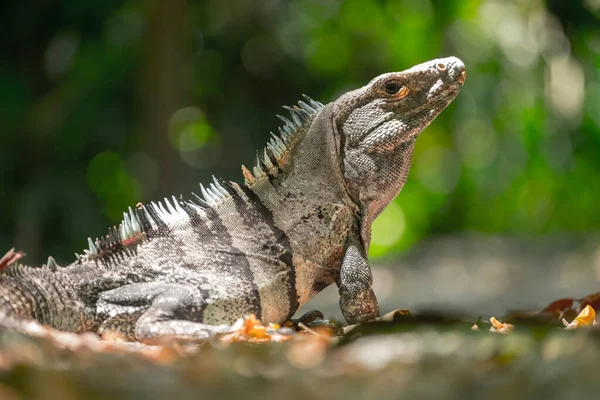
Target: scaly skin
{"points": [[301, 221]]}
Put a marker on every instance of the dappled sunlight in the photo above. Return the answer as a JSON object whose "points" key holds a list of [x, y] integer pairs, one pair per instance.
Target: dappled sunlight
{"points": [[476, 142], [189, 130], [438, 170], [565, 87], [111, 182], [388, 229]]}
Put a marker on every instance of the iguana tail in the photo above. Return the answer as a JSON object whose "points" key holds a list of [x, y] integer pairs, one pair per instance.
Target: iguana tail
{"points": [[38, 293]]}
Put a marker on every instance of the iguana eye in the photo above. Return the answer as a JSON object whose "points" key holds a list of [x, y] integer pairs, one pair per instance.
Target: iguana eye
{"points": [[392, 87], [396, 89]]}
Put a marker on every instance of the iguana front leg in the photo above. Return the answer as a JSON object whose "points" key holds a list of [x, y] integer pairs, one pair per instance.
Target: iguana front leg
{"points": [[357, 299]]}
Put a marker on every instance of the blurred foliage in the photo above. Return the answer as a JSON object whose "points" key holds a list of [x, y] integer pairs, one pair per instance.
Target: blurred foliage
{"points": [[107, 103]]}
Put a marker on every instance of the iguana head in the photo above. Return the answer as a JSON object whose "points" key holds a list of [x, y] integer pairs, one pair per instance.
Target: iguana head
{"points": [[376, 127]]}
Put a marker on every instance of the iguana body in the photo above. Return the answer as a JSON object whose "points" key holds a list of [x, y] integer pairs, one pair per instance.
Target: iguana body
{"points": [[301, 221]]}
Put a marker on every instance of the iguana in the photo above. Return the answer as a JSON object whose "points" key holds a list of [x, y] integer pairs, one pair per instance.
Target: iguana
{"points": [[189, 267]]}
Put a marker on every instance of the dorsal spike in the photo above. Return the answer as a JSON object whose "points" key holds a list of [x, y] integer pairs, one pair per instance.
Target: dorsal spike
{"points": [[306, 107], [177, 204], [295, 116], [207, 196], [214, 191], [289, 130], [211, 192], [155, 217], [284, 136], [290, 109], [267, 161], [170, 209], [123, 232], [273, 154], [190, 208], [135, 223], [145, 218], [280, 145], [229, 187], [126, 224], [316, 105], [199, 201], [162, 209], [114, 233], [92, 247], [219, 187], [302, 113], [301, 116], [247, 175], [51, 264], [273, 143], [287, 121], [258, 168], [273, 149]]}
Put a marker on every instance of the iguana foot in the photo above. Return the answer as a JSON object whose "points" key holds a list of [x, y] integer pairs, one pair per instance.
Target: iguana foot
{"points": [[357, 299], [307, 318]]}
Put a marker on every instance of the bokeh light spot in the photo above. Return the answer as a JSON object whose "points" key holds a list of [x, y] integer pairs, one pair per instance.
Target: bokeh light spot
{"points": [[388, 229], [102, 171], [438, 170], [476, 142], [113, 185], [60, 54], [189, 130], [565, 86]]}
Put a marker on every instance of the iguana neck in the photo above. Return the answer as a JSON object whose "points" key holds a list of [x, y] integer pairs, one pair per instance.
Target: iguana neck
{"points": [[312, 175]]}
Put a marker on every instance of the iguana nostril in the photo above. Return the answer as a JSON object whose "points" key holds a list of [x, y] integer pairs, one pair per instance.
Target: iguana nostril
{"points": [[441, 67]]}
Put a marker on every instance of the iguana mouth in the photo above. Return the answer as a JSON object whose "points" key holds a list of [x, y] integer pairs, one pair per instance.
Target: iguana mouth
{"points": [[456, 71]]}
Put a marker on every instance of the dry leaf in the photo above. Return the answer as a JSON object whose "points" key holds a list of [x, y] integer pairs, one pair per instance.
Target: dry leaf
{"points": [[587, 317], [250, 329], [10, 258], [569, 308], [500, 327]]}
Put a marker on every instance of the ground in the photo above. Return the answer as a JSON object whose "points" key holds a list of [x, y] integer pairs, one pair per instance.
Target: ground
{"points": [[422, 357], [429, 354]]}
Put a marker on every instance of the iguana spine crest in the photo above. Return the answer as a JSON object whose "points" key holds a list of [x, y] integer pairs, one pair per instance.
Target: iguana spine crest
{"points": [[138, 223]]}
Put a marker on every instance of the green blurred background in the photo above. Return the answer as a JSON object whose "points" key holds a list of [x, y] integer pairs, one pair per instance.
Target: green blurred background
{"points": [[107, 103]]}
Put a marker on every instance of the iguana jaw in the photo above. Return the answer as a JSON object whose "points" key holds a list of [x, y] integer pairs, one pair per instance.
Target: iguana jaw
{"points": [[378, 125]]}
